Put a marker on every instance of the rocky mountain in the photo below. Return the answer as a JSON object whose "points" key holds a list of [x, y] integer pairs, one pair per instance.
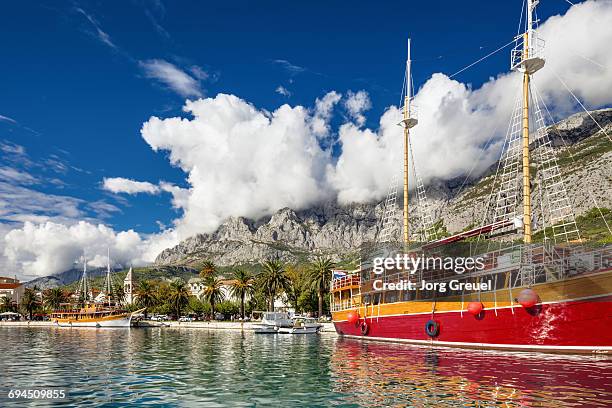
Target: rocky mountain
{"points": [[584, 154], [63, 278]]}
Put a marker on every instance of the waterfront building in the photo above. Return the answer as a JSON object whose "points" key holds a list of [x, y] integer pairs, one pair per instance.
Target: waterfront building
{"points": [[128, 288], [196, 288], [11, 288]]}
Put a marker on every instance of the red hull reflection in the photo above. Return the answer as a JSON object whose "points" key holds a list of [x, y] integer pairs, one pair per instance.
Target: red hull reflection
{"points": [[385, 374]]}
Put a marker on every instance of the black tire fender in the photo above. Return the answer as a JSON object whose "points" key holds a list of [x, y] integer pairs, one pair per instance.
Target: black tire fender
{"points": [[432, 328]]}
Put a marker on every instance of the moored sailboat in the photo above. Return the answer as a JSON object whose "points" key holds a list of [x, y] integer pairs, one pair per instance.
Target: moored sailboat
{"points": [[553, 296], [107, 313]]}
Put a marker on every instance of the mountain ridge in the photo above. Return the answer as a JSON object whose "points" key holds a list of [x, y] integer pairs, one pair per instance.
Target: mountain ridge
{"points": [[328, 227], [295, 235]]}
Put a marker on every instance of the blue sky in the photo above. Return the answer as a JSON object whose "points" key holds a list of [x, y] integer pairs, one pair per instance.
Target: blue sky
{"points": [[85, 100], [78, 79]]}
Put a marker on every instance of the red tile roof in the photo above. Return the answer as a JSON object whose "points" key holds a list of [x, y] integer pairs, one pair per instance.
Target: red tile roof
{"points": [[9, 285]]}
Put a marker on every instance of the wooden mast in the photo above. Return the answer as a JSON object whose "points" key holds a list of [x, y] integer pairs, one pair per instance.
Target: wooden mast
{"points": [[406, 145], [527, 39], [526, 176]]}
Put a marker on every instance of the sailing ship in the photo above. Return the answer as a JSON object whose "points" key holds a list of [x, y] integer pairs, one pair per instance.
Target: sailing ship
{"points": [[106, 313], [92, 316], [549, 296]]}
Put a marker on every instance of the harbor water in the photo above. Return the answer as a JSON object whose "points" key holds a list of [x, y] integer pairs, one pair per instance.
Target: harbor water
{"points": [[219, 368]]}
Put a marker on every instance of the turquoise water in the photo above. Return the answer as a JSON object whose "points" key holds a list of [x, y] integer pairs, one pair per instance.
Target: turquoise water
{"points": [[169, 367]]}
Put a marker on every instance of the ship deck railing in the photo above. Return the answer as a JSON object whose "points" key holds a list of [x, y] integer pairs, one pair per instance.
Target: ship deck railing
{"points": [[546, 263], [346, 282]]}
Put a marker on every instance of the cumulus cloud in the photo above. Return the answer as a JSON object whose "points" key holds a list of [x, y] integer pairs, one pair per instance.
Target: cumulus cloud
{"points": [[368, 159], [48, 248], [323, 111], [173, 77], [245, 161], [128, 186], [240, 160], [356, 104], [460, 128]]}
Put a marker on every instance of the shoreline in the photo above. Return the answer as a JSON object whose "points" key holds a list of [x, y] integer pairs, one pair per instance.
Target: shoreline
{"points": [[246, 326]]}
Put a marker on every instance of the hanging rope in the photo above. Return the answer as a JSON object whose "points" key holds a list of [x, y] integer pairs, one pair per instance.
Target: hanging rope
{"points": [[518, 29], [481, 59], [554, 126], [477, 161], [499, 164], [403, 89], [581, 105]]}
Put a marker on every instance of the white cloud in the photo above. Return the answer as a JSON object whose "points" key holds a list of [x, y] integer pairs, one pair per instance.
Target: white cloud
{"points": [[100, 34], [356, 104], [124, 185], [456, 120], [323, 111], [7, 119], [12, 149], [368, 159], [240, 160], [281, 90], [173, 77], [48, 248], [289, 67], [12, 175], [245, 161], [20, 204], [180, 196], [199, 73]]}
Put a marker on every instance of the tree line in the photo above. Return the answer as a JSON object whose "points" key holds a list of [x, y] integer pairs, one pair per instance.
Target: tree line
{"points": [[303, 286]]}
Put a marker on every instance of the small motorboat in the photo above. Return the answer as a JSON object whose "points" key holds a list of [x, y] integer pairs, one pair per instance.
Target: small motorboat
{"points": [[302, 325], [265, 329]]}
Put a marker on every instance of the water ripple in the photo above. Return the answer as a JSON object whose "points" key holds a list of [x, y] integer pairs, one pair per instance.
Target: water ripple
{"points": [[166, 367]]}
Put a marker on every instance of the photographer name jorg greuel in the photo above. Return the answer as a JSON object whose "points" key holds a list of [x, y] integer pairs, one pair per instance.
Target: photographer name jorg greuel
{"points": [[440, 287], [459, 265]]}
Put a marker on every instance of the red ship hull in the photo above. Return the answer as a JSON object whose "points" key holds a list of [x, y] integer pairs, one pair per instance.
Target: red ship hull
{"points": [[583, 326]]}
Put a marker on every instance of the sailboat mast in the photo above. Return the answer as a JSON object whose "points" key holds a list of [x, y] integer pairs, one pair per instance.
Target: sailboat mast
{"points": [[406, 145], [108, 281], [85, 286], [526, 176]]}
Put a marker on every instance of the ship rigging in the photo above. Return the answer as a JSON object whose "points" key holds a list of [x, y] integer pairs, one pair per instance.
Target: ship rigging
{"points": [[539, 296]]}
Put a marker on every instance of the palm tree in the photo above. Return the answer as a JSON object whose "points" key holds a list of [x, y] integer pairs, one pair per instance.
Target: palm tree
{"points": [[208, 269], [119, 294], [212, 292], [29, 302], [273, 280], [178, 296], [7, 304], [319, 275], [145, 296], [54, 297], [242, 286], [296, 284]]}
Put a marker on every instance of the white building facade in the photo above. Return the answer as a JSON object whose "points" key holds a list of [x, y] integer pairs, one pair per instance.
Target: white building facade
{"points": [[11, 288]]}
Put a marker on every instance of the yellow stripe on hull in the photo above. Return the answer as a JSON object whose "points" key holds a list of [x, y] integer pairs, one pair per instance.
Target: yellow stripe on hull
{"points": [[580, 287], [122, 320]]}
